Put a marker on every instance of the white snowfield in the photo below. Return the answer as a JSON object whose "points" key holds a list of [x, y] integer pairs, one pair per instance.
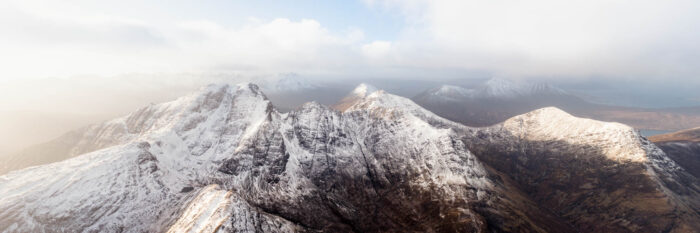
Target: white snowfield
{"points": [[206, 212], [553, 124], [238, 155]]}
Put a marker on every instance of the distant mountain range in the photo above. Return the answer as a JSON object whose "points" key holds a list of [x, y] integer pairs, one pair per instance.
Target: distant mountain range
{"points": [[492, 102], [225, 159], [496, 100]]}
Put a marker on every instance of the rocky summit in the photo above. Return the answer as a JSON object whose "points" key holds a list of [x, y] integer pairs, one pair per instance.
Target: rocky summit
{"points": [[225, 160]]}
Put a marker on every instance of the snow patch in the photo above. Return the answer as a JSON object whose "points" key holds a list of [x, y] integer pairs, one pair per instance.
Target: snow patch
{"points": [[205, 213], [618, 141]]}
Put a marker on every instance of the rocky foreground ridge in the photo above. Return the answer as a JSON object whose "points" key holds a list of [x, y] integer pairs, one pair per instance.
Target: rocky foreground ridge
{"points": [[224, 160]]}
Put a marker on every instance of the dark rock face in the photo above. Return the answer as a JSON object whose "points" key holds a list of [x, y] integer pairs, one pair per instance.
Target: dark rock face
{"points": [[593, 192], [363, 178], [683, 147], [226, 160], [686, 155]]}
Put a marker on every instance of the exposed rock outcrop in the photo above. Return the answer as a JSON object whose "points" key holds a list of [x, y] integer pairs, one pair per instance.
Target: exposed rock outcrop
{"points": [[226, 160]]}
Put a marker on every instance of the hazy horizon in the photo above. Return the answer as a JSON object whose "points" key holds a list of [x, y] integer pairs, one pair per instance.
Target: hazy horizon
{"points": [[98, 59], [425, 116]]}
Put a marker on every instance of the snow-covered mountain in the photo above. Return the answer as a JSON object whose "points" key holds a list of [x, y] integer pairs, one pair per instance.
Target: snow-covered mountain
{"points": [[225, 160], [494, 88], [359, 93], [278, 168], [494, 101], [599, 176], [91, 138]]}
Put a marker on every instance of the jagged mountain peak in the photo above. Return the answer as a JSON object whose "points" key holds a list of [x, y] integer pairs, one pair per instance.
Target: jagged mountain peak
{"points": [[366, 95], [264, 162], [360, 92], [368, 98], [382, 99], [209, 103], [383, 104], [223, 159]]}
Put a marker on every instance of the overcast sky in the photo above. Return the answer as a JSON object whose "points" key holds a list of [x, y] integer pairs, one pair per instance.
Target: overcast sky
{"points": [[72, 62], [575, 40]]}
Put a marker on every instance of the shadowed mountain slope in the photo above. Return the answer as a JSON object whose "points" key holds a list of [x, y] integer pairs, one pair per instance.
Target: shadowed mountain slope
{"points": [[225, 160], [683, 147]]}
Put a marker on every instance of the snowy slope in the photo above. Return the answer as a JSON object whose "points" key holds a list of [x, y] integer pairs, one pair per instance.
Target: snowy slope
{"points": [[622, 143], [683, 147], [272, 170], [359, 93], [225, 160], [131, 185], [98, 136], [601, 176], [206, 212]]}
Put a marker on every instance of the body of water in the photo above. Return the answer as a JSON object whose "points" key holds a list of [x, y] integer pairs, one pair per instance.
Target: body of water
{"points": [[651, 132]]}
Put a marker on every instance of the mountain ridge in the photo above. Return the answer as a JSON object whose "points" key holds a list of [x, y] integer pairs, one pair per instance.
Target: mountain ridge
{"points": [[382, 163], [683, 147], [496, 100]]}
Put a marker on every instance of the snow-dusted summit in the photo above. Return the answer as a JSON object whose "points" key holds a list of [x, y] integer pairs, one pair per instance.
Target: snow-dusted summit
{"points": [[225, 160], [359, 93], [378, 166], [600, 176]]}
